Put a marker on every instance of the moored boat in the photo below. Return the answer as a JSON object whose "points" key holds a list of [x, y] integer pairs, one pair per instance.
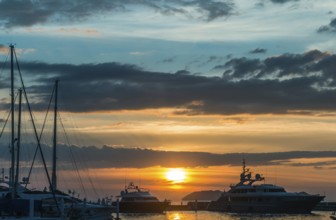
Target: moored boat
{"points": [[16, 200], [246, 197], [138, 200]]}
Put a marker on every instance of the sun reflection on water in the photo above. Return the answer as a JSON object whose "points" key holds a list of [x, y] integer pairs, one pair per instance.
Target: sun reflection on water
{"points": [[177, 216]]}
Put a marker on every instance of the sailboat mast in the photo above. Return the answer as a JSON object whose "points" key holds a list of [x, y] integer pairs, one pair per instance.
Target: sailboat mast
{"points": [[18, 143], [12, 123], [54, 177]]}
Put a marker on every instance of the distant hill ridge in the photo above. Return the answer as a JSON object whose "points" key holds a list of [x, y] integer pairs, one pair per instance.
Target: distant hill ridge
{"points": [[209, 195]]}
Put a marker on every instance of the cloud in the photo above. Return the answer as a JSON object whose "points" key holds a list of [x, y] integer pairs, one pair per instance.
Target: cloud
{"points": [[116, 157], [258, 50], [28, 12], [137, 53], [25, 13], [214, 9], [3, 49], [283, 1], [286, 84], [182, 72], [78, 31], [169, 60], [331, 27]]}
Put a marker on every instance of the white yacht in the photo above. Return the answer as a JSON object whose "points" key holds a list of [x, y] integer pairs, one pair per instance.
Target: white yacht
{"points": [[138, 200], [247, 197]]}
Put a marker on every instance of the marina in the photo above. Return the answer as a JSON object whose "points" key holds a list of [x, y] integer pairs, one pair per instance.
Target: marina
{"points": [[167, 110], [17, 200]]}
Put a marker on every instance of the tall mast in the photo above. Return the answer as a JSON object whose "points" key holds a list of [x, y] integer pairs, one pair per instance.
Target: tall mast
{"points": [[54, 177], [18, 143], [12, 123]]}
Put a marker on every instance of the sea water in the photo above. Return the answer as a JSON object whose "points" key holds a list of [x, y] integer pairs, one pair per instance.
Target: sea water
{"points": [[204, 215]]}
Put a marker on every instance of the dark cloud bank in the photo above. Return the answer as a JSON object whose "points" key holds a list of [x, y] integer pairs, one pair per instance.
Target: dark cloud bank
{"points": [[23, 13], [289, 83], [116, 157], [15, 13]]}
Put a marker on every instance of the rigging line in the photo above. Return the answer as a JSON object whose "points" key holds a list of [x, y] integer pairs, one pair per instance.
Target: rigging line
{"points": [[88, 173], [44, 123], [6, 121], [73, 158], [4, 63], [9, 113], [84, 160], [32, 118], [35, 131], [91, 182], [90, 179]]}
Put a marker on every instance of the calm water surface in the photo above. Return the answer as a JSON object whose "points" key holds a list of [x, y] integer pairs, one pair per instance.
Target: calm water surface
{"points": [[203, 215]]}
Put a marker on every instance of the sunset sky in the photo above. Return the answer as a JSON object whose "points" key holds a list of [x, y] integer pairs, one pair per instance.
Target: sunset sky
{"points": [[156, 84]]}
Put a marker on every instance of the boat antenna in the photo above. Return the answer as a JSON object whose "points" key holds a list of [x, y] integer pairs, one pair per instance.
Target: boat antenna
{"points": [[11, 46], [276, 176], [18, 143], [125, 181], [53, 176]]}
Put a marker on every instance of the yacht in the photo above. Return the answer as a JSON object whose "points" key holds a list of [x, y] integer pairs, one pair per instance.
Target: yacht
{"points": [[247, 197], [138, 200]]}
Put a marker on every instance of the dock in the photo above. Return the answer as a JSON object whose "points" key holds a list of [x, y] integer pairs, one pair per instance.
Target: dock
{"points": [[190, 206], [325, 206]]}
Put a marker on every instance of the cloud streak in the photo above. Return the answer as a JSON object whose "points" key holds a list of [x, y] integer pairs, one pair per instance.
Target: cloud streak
{"points": [[25, 13], [258, 50], [114, 157], [283, 1]]}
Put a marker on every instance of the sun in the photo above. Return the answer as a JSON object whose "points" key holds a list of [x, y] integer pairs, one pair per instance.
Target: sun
{"points": [[176, 175]]}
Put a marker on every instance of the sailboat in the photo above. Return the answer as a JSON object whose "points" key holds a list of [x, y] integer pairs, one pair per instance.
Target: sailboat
{"points": [[18, 201]]}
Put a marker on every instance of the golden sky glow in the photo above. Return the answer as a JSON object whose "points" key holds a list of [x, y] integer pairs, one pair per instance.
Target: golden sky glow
{"points": [[161, 129], [112, 181]]}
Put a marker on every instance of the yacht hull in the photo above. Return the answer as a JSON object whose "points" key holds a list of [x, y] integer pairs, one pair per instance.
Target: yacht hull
{"points": [[266, 204]]}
